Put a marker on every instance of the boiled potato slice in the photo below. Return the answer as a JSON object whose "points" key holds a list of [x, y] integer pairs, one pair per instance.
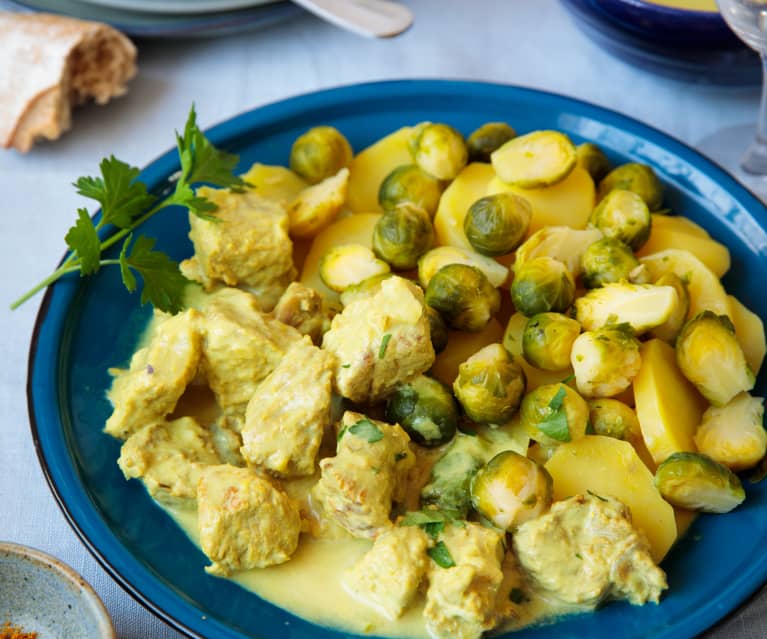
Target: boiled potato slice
{"points": [[667, 405], [705, 289], [468, 186], [608, 466], [567, 203], [713, 254], [462, 345], [275, 182], [749, 330], [678, 223], [355, 229], [371, 165]]}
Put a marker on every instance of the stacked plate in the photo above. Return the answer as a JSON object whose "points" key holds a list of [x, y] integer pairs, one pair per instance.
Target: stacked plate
{"points": [[172, 18]]}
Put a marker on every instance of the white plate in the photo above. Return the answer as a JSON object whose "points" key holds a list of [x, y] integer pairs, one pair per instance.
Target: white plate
{"points": [[177, 6]]}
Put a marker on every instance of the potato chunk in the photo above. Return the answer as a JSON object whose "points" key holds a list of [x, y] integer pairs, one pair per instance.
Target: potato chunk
{"points": [[245, 522]]}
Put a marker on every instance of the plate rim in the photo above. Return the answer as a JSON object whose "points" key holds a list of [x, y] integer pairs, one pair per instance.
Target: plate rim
{"points": [[224, 129]]}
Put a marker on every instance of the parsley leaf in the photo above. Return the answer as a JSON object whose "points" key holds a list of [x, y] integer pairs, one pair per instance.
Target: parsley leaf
{"points": [[441, 555], [367, 430], [85, 243], [555, 425], [164, 284], [384, 344], [431, 521]]}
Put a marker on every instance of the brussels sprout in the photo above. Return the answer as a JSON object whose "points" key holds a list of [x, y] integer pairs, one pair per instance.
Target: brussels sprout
{"points": [[560, 242], [319, 153], [642, 306], [368, 286], [538, 159], [554, 413], [548, 339], [436, 258], [624, 216], [709, 355], [696, 482], [543, 284], [437, 329], [463, 296], [402, 235], [349, 264], [639, 178], [591, 158], [318, 205], [409, 183], [448, 488], [490, 385], [439, 150], [671, 327], [487, 138], [425, 408], [511, 489], [496, 224], [607, 260], [605, 360], [612, 418], [733, 435]]}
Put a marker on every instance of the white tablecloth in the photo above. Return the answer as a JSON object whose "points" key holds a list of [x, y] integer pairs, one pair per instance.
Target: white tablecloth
{"points": [[526, 42]]}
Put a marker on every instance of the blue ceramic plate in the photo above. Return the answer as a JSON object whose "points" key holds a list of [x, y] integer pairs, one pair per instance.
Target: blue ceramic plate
{"points": [[86, 326]]}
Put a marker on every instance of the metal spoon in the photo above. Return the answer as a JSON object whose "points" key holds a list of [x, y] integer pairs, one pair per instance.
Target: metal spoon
{"points": [[370, 18]]}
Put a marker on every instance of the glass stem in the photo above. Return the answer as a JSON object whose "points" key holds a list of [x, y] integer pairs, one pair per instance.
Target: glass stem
{"points": [[761, 125], [755, 159]]}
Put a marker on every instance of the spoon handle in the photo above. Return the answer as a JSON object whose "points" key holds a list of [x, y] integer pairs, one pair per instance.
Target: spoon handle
{"points": [[370, 18]]}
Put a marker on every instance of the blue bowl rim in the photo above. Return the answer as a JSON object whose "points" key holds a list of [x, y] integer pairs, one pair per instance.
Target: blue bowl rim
{"points": [[222, 130]]}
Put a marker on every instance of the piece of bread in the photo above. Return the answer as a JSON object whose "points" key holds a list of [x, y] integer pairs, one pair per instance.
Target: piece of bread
{"points": [[48, 64]]}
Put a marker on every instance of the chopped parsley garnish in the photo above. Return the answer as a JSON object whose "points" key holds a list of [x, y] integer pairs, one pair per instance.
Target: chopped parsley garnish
{"points": [[431, 521], [367, 430], [518, 596], [593, 494], [345, 365], [555, 423], [441, 555], [399, 456], [384, 344], [579, 555]]}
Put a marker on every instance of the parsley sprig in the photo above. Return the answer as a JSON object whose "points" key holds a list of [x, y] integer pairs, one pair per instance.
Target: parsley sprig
{"points": [[126, 204]]}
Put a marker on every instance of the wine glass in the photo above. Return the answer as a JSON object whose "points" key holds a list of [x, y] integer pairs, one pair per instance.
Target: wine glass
{"points": [[748, 19]]}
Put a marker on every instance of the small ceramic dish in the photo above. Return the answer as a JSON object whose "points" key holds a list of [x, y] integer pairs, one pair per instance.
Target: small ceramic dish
{"points": [[39, 593]]}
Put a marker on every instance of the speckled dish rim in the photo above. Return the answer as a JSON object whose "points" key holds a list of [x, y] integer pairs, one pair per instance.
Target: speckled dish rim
{"points": [[699, 14], [66, 573]]}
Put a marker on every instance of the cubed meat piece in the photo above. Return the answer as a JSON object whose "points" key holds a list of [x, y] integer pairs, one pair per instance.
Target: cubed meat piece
{"points": [[358, 485], [241, 347], [387, 577], [306, 310], [461, 600], [244, 521], [585, 550], [246, 246], [168, 457], [289, 412], [380, 340], [158, 375]]}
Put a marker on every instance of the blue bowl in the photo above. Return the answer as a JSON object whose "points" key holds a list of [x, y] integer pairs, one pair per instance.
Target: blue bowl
{"points": [[87, 325], [694, 46]]}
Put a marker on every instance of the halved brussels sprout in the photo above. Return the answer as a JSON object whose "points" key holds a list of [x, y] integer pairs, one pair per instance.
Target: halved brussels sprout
{"points": [[607, 260], [319, 153], [591, 158], [710, 356], [548, 339], [613, 418], [441, 256], [410, 183], [496, 224], [511, 489], [368, 286], [642, 306], [318, 205], [671, 327], [639, 178], [349, 264], [425, 408], [463, 296], [696, 482], [554, 413], [541, 285], [560, 242], [439, 150], [540, 158], [402, 235], [624, 216], [605, 360], [437, 329], [487, 138], [490, 385]]}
